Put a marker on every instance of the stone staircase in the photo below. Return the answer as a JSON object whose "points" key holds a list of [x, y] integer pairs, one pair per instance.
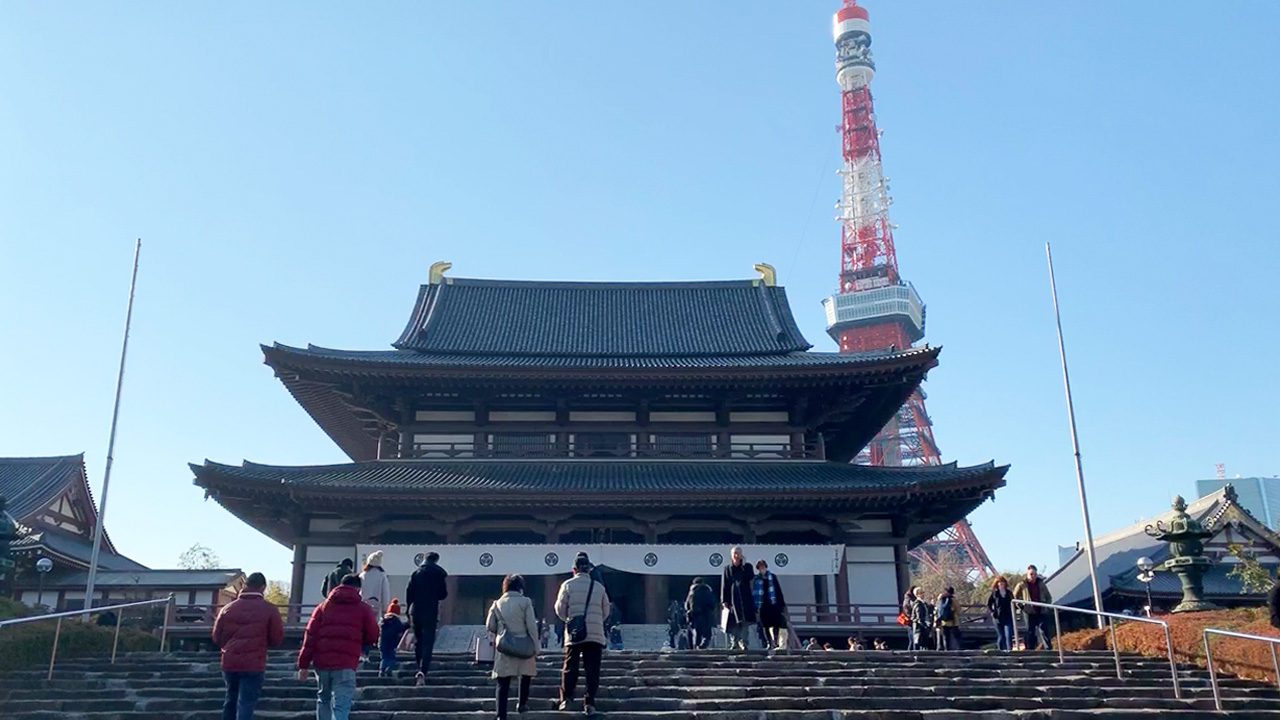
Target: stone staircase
{"points": [[713, 685]]}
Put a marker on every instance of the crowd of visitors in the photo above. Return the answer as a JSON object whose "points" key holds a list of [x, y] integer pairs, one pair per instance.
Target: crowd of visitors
{"points": [[358, 617]]}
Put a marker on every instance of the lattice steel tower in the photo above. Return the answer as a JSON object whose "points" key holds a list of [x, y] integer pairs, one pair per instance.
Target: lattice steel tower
{"points": [[874, 308]]}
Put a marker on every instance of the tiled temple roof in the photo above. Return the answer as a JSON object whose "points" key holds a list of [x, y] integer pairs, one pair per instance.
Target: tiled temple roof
{"points": [[31, 483], [584, 319], [606, 477]]}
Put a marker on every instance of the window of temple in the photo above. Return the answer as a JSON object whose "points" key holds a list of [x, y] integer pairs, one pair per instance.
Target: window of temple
{"points": [[682, 445], [516, 444], [602, 444], [759, 446], [444, 446]]}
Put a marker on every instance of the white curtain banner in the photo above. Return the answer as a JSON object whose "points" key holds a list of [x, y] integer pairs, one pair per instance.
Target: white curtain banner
{"points": [[706, 560]]}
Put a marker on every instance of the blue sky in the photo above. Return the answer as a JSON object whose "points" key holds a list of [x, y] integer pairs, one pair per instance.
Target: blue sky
{"points": [[293, 170]]}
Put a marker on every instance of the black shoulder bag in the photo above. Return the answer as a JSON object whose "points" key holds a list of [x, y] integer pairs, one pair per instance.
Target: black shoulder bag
{"points": [[577, 626]]}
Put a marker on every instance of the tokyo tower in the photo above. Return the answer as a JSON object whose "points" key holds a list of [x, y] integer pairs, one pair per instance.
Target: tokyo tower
{"points": [[874, 308]]}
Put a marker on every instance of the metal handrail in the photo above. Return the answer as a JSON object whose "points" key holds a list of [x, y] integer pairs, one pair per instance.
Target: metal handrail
{"points": [[115, 642], [1115, 647], [1213, 673]]}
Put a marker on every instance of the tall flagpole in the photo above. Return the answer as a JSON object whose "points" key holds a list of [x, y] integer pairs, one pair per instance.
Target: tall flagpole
{"points": [[1075, 443], [111, 442]]}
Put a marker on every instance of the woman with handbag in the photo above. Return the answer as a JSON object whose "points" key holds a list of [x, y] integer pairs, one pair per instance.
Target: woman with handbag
{"points": [[512, 619]]}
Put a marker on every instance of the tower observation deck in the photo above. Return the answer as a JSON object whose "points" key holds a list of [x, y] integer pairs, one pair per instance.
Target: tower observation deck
{"points": [[874, 308]]}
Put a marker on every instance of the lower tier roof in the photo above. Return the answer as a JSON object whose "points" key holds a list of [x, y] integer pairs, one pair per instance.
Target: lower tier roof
{"points": [[263, 495]]}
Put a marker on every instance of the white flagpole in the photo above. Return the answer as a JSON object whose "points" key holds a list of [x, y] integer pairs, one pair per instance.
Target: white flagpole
{"points": [[111, 442], [1075, 443]]}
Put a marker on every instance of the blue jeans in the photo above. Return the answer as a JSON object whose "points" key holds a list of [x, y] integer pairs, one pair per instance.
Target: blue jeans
{"points": [[387, 662], [1004, 636], [333, 699], [243, 689]]}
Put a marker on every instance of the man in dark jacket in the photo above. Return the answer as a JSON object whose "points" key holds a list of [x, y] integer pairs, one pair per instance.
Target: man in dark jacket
{"points": [[701, 607], [426, 589], [948, 621], [243, 631], [334, 578], [339, 629], [736, 597]]}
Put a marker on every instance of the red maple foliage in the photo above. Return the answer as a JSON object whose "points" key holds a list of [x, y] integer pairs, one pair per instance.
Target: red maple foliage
{"points": [[1246, 658]]}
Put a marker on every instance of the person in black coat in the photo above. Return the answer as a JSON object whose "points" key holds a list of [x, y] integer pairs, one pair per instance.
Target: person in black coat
{"points": [[736, 597], [772, 606], [1000, 607], [701, 608], [426, 589]]}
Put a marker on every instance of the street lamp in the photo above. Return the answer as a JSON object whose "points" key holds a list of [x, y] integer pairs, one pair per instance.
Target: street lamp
{"points": [[1146, 573], [43, 566]]}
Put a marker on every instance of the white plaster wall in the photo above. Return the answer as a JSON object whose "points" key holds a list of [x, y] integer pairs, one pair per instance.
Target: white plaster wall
{"points": [[798, 589], [873, 578]]}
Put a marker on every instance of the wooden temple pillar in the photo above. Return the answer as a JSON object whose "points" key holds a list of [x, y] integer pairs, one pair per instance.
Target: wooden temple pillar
{"points": [[450, 582], [550, 588], [656, 587]]}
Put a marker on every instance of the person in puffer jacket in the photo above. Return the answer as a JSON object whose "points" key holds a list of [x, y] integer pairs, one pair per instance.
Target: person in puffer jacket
{"points": [[243, 631], [336, 634]]}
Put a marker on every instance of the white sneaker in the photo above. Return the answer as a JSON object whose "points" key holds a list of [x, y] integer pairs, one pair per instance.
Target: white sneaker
{"points": [[419, 680]]}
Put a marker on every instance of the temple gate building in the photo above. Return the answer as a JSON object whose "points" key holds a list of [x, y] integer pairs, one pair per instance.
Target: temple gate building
{"points": [[653, 425]]}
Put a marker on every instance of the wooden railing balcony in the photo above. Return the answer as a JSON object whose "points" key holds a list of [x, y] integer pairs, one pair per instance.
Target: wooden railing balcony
{"points": [[731, 451]]}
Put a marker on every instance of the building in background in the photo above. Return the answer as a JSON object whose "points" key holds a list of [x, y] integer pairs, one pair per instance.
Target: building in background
{"points": [[1118, 551], [50, 502], [1259, 495]]}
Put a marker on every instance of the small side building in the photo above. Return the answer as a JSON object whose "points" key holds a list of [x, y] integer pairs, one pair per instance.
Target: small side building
{"points": [[49, 500], [1118, 553]]}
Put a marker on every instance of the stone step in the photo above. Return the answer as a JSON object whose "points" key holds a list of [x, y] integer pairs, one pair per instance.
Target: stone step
{"points": [[946, 714]]}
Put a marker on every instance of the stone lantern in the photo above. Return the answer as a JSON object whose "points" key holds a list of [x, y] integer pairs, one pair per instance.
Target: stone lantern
{"points": [[1186, 537]]}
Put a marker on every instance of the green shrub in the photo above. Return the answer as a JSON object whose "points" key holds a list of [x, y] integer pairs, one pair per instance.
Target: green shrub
{"points": [[28, 645], [10, 608]]}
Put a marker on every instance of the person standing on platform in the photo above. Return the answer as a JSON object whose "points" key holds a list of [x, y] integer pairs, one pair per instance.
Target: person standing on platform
{"points": [[334, 578], [339, 629], [1034, 589], [675, 624], [243, 631], [1000, 607], [948, 621], [736, 599], [427, 587], [906, 612], [582, 604], [921, 622], [767, 593], [701, 608], [513, 613]]}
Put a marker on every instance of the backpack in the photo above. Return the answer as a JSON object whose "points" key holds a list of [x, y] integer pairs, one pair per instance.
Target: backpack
{"points": [[946, 610]]}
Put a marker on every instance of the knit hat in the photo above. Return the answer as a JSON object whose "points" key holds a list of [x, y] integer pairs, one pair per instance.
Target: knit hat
{"points": [[394, 607]]}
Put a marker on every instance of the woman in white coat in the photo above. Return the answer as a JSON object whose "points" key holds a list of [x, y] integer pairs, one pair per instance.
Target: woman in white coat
{"points": [[514, 612], [375, 586]]}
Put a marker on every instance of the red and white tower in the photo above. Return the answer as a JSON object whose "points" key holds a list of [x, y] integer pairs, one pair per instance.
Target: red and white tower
{"points": [[874, 308]]}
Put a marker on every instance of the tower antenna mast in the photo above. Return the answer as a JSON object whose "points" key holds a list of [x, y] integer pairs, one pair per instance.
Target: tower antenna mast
{"points": [[874, 309]]}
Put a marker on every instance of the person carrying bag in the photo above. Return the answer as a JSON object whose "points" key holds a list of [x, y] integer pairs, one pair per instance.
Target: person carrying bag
{"points": [[512, 619]]}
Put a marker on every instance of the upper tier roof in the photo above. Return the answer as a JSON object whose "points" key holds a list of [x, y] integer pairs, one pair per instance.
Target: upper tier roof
{"points": [[601, 319], [31, 483]]}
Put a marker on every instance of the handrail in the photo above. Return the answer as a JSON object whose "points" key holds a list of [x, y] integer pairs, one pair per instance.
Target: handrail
{"points": [[1213, 673], [1115, 647], [115, 642]]}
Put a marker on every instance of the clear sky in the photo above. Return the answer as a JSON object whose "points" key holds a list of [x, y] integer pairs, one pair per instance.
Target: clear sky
{"points": [[294, 168]]}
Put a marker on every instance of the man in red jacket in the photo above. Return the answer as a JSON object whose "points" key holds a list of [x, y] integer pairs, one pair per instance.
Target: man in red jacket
{"points": [[339, 629], [244, 630]]}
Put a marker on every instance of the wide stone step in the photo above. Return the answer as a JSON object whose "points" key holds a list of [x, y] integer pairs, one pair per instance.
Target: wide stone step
{"points": [[949, 714]]}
